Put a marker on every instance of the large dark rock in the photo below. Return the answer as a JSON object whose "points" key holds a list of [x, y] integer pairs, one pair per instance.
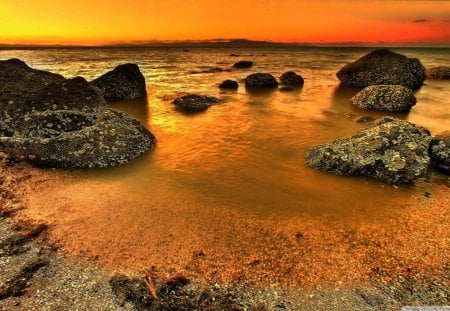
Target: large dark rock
{"points": [[194, 103], [260, 80], [243, 64], [125, 82], [440, 152], [292, 79], [393, 98], [229, 84], [391, 150], [439, 73], [383, 67], [57, 122]]}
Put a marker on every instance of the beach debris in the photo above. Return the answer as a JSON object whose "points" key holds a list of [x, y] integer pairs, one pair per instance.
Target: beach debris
{"points": [[151, 286], [290, 78], [243, 64], [125, 82], [440, 152], [391, 150], [382, 66], [392, 98], [261, 80], [192, 103], [229, 84], [439, 73]]}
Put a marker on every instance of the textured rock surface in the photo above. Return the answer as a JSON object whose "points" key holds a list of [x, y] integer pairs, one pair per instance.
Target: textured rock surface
{"points": [[385, 98], [391, 150], [441, 73], [261, 80], [57, 122], [243, 64], [125, 82], [290, 78], [440, 152], [194, 103], [229, 84], [364, 119], [383, 67]]}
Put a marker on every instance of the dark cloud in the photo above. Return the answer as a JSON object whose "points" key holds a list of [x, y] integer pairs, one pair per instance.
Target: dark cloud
{"points": [[422, 21]]}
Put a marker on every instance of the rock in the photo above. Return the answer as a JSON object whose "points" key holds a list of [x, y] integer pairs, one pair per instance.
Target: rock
{"points": [[261, 80], [56, 122], [229, 84], [194, 103], [391, 150], [440, 73], [292, 79], [287, 89], [364, 119], [383, 67], [392, 98], [440, 152], [243, 64], [125, 82], [131, 290]]}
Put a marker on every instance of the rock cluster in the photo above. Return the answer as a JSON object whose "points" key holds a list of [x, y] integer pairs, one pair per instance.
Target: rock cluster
{"points": [[57, 122], [192, 103], [391, 150], [261, 80], [383, 67], [392, 98], [440, 152]]}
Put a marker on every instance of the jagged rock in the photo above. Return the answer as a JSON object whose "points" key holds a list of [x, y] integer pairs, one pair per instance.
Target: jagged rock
{"points": [[391, 150], [292, 79], [440, 73], [261, 80], [229, 84], [383, 67], [194, 103], [393, 98], [364, 119], [125, 82], [440, 152], [243, 64], [56, 122]]}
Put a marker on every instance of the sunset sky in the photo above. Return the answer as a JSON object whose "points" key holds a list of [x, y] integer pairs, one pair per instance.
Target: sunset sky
{"points": [[90, 22]]}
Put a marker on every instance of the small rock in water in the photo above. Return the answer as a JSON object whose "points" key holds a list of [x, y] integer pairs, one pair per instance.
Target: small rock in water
{"points": [[292, 79], [261, 80], [392, 98], [364, 119], [440, 152], [194, 103], [243, 64], [439, 73], [229, 84]]}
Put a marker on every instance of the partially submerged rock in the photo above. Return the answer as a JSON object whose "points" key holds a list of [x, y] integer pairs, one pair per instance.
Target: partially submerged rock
{"points": [[229, 84], [364, 119], [291, 79], [383, 67], [391, 150], [243, 64], [439, 73], [261, 80], [440, 152], [125, 82], [392, 98], [194, 103]]}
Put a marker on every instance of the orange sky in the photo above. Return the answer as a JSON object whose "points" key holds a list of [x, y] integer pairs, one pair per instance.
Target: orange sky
{"points": [[107, 21]]}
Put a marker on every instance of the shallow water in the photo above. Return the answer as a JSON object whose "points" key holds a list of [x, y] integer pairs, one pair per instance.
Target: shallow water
{"points": [[245, 154]]}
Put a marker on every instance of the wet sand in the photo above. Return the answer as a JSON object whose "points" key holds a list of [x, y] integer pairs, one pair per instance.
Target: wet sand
{"points": [[397, 259]]}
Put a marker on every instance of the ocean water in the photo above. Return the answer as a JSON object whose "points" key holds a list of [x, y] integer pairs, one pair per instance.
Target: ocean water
{"points": [[244, 154]]}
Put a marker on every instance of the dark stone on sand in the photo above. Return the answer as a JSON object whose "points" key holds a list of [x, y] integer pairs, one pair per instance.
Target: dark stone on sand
{"points": [[440, 152], [392, 98], [364, 119], [391, 150], [292, 79], [261, 80], [439, 73], [194, 103], [229, 84], [56, 122], [383, 67], [243, 64], [125, 82]]}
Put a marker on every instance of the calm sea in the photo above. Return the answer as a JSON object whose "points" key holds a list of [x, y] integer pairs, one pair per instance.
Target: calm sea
{"points": [[248, 151]]}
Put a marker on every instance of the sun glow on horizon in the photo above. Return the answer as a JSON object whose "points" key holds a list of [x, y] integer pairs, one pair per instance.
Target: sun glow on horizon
{"points": [[88, 22]]}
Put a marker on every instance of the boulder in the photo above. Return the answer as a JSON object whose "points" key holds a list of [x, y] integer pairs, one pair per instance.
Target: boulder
{"points": [[392, 98], [292, 79], [229, 84], [383, 67], [243, 64], [391, 150], [261, 80], [57, 122], [440, 152], [439, 73], [125, 82], [194, 103]]}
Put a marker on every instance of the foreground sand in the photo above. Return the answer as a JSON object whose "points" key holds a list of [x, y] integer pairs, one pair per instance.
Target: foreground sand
{"points": [[266, 263]]}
